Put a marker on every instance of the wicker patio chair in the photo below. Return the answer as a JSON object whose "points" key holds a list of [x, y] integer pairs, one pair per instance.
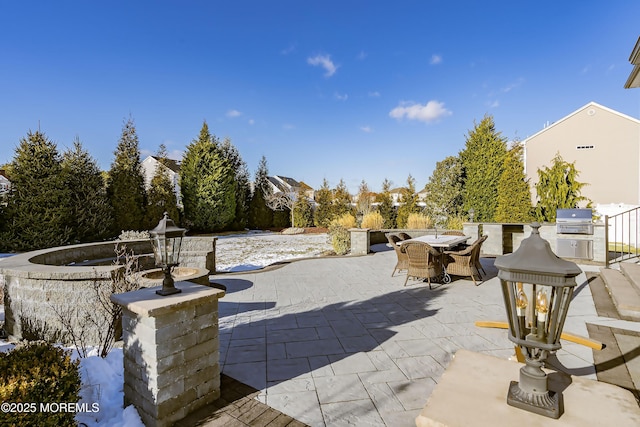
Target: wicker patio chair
{"points": [[403, 260], [404, 236], [425, 262], [453, 233], [466, 262]]}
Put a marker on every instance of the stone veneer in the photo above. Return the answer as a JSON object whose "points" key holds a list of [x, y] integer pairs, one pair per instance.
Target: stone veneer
{"points": [[171, 351], [40, 283]]}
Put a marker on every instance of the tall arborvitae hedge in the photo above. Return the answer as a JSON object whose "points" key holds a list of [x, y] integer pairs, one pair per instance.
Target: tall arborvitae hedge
{"points": [[207, 182], [260, 215], [125, 185], [341, 203], [385, 205], [408, 202], [242, 186], [558, 188], [323, 198], [91, 215], [514, 196], [482, 162], [302, 211], [37, 213]]}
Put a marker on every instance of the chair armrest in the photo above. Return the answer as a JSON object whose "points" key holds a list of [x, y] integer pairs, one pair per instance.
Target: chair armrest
{"points": [[464, 251]]}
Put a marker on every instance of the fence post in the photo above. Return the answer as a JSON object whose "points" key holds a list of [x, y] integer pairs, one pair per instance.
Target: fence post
{"points": [[606, 241]]}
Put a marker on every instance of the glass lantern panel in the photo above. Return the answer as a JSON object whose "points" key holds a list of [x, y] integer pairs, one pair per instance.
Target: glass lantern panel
{"points": [[172, 246], [158, 244]]}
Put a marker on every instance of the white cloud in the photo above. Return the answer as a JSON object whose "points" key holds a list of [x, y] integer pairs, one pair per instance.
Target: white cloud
{"points": [[432, 111], [175, 154], [362, 55], [325, 62], [288, 126], [288, 50], [513, 85], [374, 94], [493, 104], [233, 113], [252, 122], [366, 129], [341, 97], [435, 59]]}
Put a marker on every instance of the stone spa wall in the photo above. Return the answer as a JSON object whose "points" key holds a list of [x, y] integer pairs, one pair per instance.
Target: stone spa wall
{"points": [[40, 286]]}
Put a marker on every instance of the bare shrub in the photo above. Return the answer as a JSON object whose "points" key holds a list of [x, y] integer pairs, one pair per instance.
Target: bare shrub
{"points": [[372, 220], [419, 221], [101, 323]]}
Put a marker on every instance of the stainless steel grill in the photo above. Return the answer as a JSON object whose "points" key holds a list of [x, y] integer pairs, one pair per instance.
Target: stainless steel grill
{"points": [[574, 221]]}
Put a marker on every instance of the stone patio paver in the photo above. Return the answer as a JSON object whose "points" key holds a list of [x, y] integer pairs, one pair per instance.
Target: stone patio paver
{"points": [[346, 342]]}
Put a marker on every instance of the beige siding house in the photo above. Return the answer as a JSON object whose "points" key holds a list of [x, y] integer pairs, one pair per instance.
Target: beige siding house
{"points": [[603, 143]]}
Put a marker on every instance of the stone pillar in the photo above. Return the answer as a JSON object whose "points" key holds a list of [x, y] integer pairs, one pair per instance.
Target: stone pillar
{"points": [[360, 241], [494, 244], [171, 351]]}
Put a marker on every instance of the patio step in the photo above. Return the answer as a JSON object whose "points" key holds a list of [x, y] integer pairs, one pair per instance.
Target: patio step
{"points": [[624, 293], [632, 272]]}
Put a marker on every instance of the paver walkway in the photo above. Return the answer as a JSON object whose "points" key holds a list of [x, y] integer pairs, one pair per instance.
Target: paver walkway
{"points": [[337, 341]]}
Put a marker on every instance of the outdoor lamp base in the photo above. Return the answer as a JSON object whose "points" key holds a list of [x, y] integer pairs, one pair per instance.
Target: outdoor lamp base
{"points": [[548, 404], [168, 286], [170, 291]]}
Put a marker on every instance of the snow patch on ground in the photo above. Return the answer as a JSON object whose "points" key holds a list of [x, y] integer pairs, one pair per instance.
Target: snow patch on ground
{"points": [[255, 250]]}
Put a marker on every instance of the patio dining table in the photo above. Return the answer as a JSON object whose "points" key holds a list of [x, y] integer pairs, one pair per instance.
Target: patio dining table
{"points": [[441, 243]]}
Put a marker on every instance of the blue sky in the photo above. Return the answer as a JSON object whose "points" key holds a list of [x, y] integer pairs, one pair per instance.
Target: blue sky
{"points": [[353, 90]]}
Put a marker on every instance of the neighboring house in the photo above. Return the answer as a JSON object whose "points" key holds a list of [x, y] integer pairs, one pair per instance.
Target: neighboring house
{"points": [[396, 195], [5, 185], [603, 143], [149, 166], [283, 184]]}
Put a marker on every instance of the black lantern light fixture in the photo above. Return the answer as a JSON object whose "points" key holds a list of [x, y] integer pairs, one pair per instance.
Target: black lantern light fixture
{"points": [[166, 240], [537, 287]]}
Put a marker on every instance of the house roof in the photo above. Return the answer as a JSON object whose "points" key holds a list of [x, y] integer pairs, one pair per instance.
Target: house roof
{"points": [[398, 190], [174, 165], [634, 58], [305, 186], [585, 107]]}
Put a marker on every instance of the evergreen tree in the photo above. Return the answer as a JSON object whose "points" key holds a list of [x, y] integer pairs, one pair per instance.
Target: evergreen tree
{"points": [[341, 203], [91, 216], [482, 162], [207, 184], [260, 216], [558, 188], [242, 185], [385, 205], [161, 196], [323, 215], [408, 202], [514, 196], [364, 199], [125, 187], [444, 190], [37, 214], [302, 212]]}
